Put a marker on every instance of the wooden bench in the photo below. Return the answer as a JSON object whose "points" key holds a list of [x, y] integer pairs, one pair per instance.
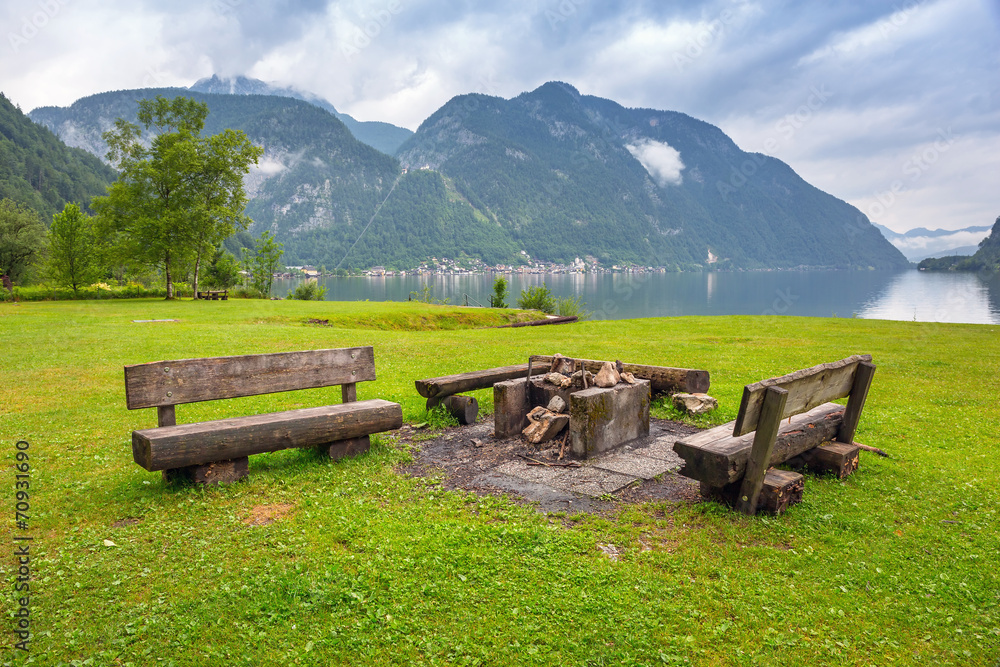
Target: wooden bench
{"points": [[733, 461], [217, 451], [443, 390], [213, 295]]}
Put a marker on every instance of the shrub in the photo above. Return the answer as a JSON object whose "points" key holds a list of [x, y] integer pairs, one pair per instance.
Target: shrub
{"points": [[499, 297], [572, 306], [537, 298], [308, 290]]}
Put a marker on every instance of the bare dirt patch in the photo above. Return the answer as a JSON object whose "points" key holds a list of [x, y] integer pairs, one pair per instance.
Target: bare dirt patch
{"points": [[472, 459], [262, 515]]}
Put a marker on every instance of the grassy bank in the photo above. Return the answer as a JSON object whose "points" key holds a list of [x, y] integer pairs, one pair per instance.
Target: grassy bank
{"points": [[358, 565]]}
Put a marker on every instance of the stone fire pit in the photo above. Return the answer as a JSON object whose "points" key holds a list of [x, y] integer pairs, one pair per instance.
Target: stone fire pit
{"points": [[600, 418]]}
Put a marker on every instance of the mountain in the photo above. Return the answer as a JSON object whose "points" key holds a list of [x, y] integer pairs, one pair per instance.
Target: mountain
{"points": [[316, 186], [920, 243], [41, 172], [386, 137], [567, 175], [986, 258], [550, 173]]}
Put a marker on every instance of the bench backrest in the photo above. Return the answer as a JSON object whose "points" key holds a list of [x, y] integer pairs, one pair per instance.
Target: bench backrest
{"points": [[167, 383], [806, 389]]}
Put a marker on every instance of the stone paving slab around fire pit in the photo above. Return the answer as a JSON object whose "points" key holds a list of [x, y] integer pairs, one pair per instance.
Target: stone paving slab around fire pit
{"points": [[471, 458]]}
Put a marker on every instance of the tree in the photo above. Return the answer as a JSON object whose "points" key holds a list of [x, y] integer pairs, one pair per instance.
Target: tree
{"points": [[499, 297], [263, 262], [22, 239], [176, 199], [537, 298], [72, 248], [223, 271]]}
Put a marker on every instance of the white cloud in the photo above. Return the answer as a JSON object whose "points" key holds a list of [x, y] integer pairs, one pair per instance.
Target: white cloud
{"points": [[749, 66], [661, 160], [269, 166]]}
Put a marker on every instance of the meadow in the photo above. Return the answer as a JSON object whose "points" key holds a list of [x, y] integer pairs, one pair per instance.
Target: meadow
{"points": [[313, 562]]}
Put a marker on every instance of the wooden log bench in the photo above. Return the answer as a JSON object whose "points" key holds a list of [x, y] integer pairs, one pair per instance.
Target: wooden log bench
{"points": [[213, 295], [438, 390], [783, 419], [443, 390], [218, 451]]}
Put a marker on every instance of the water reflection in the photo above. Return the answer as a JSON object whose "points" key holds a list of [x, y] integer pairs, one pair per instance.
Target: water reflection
{"points": [[927, 297], [938, 297]]}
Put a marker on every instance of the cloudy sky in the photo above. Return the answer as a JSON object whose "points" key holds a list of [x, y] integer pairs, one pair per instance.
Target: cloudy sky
{"points": [[892, 105]]}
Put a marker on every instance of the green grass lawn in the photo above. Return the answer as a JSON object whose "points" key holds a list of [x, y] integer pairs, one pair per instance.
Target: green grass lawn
{"points": [[895, 565]]}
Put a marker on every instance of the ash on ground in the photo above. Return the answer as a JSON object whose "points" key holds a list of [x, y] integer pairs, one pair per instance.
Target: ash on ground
{"points": [[471, 458]]}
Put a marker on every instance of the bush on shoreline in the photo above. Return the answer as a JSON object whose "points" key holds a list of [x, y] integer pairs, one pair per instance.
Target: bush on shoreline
{"points": [[96, 291]]}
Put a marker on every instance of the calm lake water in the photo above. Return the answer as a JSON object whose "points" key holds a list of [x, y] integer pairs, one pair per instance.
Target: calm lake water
{"points": [[899, 295]]}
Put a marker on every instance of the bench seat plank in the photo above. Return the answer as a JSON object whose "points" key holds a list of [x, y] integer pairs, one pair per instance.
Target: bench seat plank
{"points": [[717, 458], [170, 447], [192, 380], [448, 385]]}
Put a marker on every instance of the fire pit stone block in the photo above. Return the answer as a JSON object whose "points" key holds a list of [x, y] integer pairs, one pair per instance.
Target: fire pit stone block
{"points": [[602, 419], [510, 407]]}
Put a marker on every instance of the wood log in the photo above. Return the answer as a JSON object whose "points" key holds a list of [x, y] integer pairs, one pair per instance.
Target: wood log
{"points": [[463, 408], [781, 490], [662, 378], [225, 439], [718, 458], [191, 380], [838, 458], [219, 472], [539, 323], [806, 389], [456, 384], [760, 453], [344, 448]]}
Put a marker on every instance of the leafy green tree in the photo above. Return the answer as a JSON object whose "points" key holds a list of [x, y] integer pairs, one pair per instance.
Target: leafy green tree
{"points": [[223, 271], [182, 195], [73, 248], [499, 297], [537, 298], [262, 263], [22, 239]]}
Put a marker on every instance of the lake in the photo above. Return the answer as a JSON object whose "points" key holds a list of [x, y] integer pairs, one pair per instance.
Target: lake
{"points": [[891, 295]]}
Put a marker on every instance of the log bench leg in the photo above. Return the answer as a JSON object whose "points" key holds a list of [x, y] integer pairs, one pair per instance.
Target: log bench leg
{"points": [[219, 472], [463, 408], [781, 490], [838, 458], [341, 448]]}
